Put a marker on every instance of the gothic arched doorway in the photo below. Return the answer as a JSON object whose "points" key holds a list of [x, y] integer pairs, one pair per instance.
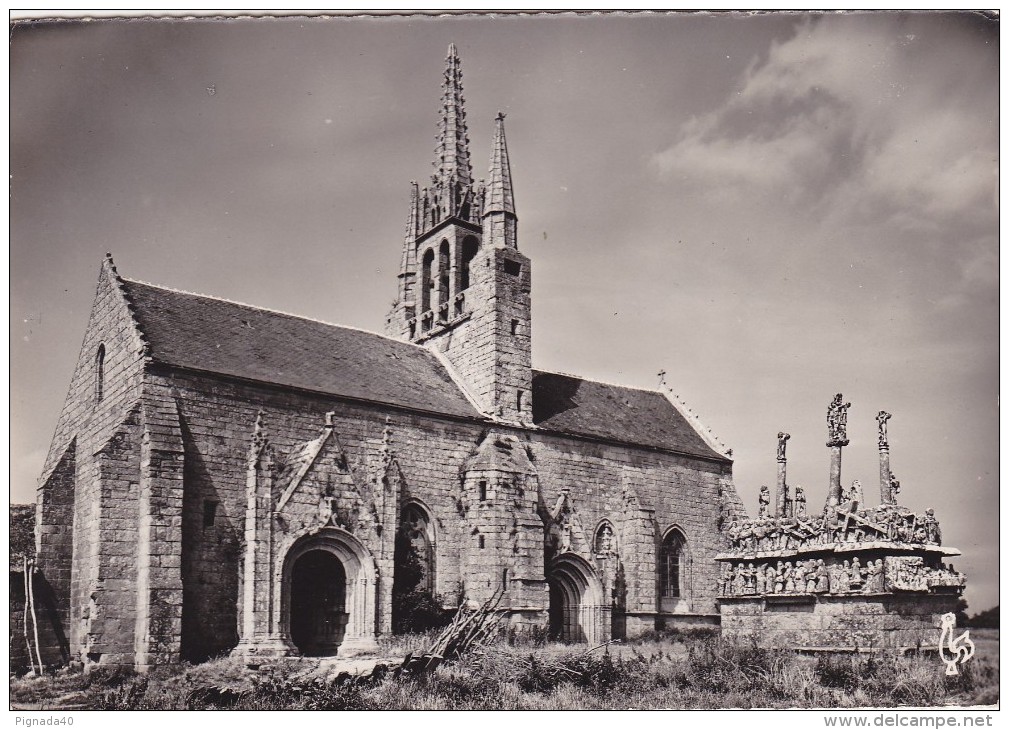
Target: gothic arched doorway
{"points": [[577, 610], [328, 594], [318, 603]]}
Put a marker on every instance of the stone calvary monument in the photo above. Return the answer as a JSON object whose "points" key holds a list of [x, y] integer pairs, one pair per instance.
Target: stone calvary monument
{"points": [[851, 576]]}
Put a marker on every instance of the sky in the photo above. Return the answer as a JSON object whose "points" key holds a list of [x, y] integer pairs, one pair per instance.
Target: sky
{"points": [[771, 208]]}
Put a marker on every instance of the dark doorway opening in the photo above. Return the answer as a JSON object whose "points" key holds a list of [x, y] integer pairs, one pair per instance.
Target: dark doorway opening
{"points": [[556, 612], [318, 601]]}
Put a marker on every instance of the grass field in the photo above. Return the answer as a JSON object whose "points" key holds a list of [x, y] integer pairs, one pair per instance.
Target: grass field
{"points": [[659, 672]]}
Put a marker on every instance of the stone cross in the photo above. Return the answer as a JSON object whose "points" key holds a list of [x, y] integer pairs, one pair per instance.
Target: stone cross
{"points": [[882, 417]]}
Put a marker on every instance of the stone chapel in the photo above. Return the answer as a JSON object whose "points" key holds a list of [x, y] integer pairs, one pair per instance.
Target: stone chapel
{"points": [[225, 478]]}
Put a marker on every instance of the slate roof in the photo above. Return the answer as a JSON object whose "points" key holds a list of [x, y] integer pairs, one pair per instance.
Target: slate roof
{"points": [[223, 337], [589, 408], [214, 335]]}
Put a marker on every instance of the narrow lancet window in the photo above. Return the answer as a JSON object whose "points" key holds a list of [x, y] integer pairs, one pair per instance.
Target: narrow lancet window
{"points": [[100, 373], [671, 565]]}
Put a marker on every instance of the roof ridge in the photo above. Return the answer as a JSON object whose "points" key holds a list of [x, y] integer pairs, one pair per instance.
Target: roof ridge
{"points": [[600, 382], [273, 311]]}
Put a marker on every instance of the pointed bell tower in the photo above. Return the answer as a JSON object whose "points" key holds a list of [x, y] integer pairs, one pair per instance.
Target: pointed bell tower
{"points": [[463, 284]]}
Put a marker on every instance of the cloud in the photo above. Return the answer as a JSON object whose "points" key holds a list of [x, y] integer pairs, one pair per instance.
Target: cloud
{"points": [[858, 118]]}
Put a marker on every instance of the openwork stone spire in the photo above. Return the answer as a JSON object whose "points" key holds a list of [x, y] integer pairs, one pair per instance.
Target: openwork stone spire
{"points": [[453, 174], [500, 196]]}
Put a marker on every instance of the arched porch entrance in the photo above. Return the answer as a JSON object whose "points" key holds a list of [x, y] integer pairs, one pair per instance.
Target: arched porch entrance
{"points": [[318, 602], [577, 611], [328, 596]]}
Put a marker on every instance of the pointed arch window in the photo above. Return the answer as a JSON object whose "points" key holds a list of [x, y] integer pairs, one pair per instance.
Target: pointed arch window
{"points": [[672, 565], [415, 550], [444, 259], [426, 283], [100, 373], [470, 248]]}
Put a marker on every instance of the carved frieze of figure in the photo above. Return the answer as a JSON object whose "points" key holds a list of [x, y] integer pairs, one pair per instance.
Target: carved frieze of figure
{"points": [[800, 503], [837, 421], [874, 583], [905, 572], [764, 502]]}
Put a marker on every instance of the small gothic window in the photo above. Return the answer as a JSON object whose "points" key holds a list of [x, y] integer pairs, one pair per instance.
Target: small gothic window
{"points": [[100, 373], [483, 489], [515, 326], [604, 543], [480, 539], [671, 565], [209, 512], [519, 399]]}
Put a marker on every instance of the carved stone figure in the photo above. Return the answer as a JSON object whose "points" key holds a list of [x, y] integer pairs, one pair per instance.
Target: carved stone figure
{"points": [[327, 506], [604, 541], [881, 418], [789, 578], [856, 495], [765, 501], [779, 578], [782, 439], [931, 526], [822, 577], [811, 576], [733, 534], [799, 576], [855, 576], [837, 421], [728, 577], [843, 578], [740, 583], [751, 579], [894, 486], [800, 503]]}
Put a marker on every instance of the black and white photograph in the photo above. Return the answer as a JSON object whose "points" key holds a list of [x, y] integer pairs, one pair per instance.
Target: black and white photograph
{"points": [[494, 360]]}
